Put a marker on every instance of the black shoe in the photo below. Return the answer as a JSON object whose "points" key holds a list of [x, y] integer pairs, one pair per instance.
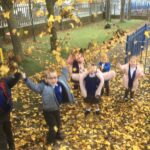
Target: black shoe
{"points": [[132, 95], [107, 94], [11, 147], [97, 112], [50, 143], [125, 99], [86, 113], [60, 136]]}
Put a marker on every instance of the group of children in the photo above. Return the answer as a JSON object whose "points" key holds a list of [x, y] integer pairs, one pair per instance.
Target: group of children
{"points": [[54, 89]]}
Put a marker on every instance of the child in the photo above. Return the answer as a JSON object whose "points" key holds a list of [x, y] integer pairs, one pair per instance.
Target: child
{"points": [[54, 91], [132, 73], [91, 82], [76, 62], [6, 135], [104, 66]]}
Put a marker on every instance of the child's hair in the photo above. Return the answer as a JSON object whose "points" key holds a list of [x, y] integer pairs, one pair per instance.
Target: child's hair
{"points": [[90, 64], [104, 55], [48, 71], [133, 57]]}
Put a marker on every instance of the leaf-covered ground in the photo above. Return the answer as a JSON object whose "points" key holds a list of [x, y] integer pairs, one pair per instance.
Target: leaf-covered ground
{"points": [[120, 125]]}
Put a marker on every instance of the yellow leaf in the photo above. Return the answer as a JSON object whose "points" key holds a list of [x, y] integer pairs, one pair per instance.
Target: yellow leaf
{"points": [[51, 18], [146, 33], [74, 69], [1, 55], [49, 148], [58, 18], [6, 15], [135, 147], [14, 31], [4, 70], [29, 51], [72, 25], [107, 142], [26, 32], [42, 34], [55, 129], [40, 13], [18, 34], [59, 2]]}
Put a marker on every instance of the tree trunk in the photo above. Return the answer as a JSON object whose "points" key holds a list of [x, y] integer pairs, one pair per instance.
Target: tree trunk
{"points": [[129, 9], [108, 10], [7, 5], [122, 11], [53, 39]]}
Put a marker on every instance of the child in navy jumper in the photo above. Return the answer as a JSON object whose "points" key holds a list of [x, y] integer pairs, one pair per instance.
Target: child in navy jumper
{"points": [[104, 66], [6, 134], [91, 82]]}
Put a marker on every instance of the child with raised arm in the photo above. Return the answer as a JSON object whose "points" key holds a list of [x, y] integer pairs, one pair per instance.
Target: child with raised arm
{"points": [[54, 91], [6, 103], [91, 82], [132, 73], [104, 65], [76, 63]]}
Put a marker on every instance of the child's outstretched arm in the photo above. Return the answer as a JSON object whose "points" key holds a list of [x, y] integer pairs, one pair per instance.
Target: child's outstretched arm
{"points": [[109, 75], [98, 91], [65, 73], [38, 88], [140, 72], [122, 67], [82, 84], [12, 80]]}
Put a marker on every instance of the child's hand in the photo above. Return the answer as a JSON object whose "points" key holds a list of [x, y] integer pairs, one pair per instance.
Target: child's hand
{"points": [[101, 68], [119, 65], [23, 75], [139, 76], [97, 96]]}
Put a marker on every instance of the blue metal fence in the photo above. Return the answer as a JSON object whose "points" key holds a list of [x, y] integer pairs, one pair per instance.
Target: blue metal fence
{"points": [[136, 42]]}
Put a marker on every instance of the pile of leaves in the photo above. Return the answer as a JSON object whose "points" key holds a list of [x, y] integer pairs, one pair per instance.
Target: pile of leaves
{"points": [[120, 125]]}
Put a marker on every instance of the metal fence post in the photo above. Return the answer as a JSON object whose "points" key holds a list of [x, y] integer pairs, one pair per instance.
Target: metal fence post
{"points": [[114, 9], [127, 44], [145, 63], [31, 17]]}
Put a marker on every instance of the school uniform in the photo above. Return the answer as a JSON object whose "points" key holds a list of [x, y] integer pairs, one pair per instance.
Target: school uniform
{"points": [[52, 97], [130, 78], [91, 85], [6, 134]]}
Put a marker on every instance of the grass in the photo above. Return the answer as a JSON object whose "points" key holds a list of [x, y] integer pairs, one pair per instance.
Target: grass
{"points": [[78, 37]]}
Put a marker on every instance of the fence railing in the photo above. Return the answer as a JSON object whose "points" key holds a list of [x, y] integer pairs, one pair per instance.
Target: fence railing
{"points": [[23, 17], [137, 9], [136, 42]]}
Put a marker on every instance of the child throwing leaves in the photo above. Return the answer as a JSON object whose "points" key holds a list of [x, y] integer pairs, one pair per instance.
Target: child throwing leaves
{"points": [[91, 83], [104, 66], [6, 135], [54, 91], [76, 62], [132, 73]]}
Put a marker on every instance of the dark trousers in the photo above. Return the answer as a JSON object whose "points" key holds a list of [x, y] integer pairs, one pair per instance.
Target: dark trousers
{"points": [[127, 91], [6, 135], [106, 86], [52, 119]]}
